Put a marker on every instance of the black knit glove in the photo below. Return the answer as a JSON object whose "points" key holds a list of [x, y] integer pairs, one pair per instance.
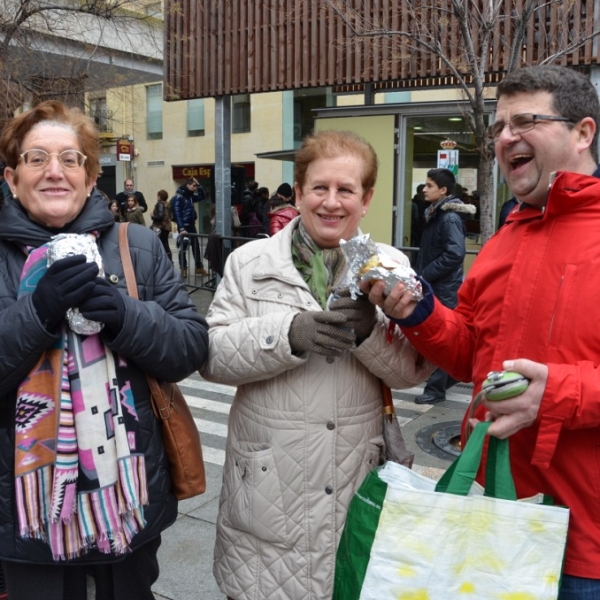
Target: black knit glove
{"points": [[65, 284], [105, 305], [360, 312], [321, 332]]}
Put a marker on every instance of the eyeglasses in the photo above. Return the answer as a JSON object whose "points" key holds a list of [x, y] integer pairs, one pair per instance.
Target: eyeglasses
{"points": [[38, 159], [519, 124]]}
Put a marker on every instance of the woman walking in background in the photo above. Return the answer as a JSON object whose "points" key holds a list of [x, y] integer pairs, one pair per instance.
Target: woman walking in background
{"points": [[161, 220]]}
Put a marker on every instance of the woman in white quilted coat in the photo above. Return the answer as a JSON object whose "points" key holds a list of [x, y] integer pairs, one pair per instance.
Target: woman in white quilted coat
{"points": [[305, 426]]}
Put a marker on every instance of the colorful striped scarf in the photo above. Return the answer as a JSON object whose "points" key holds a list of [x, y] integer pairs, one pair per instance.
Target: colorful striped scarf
{"points": [[79, 483]]}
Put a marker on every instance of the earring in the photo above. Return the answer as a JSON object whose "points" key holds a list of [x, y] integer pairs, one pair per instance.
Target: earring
{"points": [[364, 213], [89, 195], [14, 195]]}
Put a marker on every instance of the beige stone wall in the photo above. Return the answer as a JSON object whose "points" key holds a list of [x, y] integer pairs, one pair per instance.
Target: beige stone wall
{"points": [[152, 163]]}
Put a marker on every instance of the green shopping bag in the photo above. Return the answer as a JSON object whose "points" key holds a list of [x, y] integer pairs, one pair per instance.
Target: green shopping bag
{"points": [[410, 538]]}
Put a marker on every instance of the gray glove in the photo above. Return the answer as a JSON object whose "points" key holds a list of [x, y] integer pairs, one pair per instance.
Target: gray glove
{"points": [[322, 332], [360, 312]]}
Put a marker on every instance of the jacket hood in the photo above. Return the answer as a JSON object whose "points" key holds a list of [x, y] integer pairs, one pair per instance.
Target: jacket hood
{"points": [[183, 191], [456, 205], [18, 228]]}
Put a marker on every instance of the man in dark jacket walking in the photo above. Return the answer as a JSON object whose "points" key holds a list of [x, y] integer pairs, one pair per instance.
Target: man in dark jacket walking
{"points": [[440, 258], [184, 214]]}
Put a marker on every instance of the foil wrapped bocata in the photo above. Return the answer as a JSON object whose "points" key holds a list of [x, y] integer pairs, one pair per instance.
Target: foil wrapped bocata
{"points": [[73, 244], [367, 263]]}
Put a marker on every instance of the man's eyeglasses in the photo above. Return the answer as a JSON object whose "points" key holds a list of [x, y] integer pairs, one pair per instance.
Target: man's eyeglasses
{"points": [[519, 124], [38, 159]]}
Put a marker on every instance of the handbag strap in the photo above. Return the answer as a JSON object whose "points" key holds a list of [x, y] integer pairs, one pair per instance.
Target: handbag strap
{"points": [[388, 401], [499, 482], [126, 261], [160, 404]]}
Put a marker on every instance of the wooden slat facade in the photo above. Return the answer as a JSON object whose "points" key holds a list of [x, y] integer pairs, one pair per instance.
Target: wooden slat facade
{"points": [[222, 47]]}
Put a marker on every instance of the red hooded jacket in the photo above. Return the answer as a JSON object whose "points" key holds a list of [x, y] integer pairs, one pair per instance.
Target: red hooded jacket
{"points": [[534, 292]]}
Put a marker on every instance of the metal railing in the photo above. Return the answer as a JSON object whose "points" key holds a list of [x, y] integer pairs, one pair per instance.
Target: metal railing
{"points": [[192, 279], [195, 281]]}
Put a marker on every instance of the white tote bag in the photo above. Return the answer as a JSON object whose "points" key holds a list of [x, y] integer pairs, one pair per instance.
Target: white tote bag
{"points": [[407, 536]]}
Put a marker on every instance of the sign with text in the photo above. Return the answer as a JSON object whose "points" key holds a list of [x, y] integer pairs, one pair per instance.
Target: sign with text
{"points": [[124, 150]]}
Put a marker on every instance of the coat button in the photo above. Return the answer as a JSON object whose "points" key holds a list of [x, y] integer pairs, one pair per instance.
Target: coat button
{"points": [[113, 278], [328, 489], [255, 291], [330, 425], [269, 339], [280, 295], [330, 359]]}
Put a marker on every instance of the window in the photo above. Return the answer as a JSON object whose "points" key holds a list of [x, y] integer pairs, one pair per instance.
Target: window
{"points": [[195, 117], [240, 120], [154, 128], [305, 103], [99, 113]]}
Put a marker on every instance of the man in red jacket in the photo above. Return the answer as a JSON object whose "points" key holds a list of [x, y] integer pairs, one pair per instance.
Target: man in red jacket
{"points": [[531, 304]]}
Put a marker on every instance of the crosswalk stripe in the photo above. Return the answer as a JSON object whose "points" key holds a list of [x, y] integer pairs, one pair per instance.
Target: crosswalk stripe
{"points": [[206, 404], [208, 386], [214, 456], [196, 400], [211, 427]]}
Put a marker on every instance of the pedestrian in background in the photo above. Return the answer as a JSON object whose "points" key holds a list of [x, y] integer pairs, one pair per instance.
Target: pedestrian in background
{"points": [[286, 192], [261, 206], [161, 220], [506, 209], [281, 213], [115, 209], [440, 258], [134, 212], [529, 304], [305, 426], [129, 188], [184, 214]]}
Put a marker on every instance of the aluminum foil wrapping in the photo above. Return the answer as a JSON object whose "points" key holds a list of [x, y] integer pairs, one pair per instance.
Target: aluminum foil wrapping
{"points": [[73, 244], [366, 263]]}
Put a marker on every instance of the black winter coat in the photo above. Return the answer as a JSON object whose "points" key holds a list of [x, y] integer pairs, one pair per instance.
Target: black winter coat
{"points": [[442, 250], [163, 335]]}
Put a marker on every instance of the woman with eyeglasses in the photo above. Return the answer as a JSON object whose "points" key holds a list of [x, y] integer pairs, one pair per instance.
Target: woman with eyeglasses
{"points": [[84, 480]]}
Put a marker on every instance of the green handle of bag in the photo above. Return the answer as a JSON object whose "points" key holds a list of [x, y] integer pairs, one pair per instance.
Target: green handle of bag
{"points": [[459, 478]]}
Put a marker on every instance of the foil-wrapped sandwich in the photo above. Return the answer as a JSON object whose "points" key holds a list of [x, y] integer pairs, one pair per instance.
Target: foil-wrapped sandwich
{"points": [[73, 244], [367, 263]]}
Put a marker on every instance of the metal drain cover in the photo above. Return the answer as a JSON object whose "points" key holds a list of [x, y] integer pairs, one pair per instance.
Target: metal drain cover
{"points": [[440, 439]]}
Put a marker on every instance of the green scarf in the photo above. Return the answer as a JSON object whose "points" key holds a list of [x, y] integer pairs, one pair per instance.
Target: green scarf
{"points": [[319, 267]]}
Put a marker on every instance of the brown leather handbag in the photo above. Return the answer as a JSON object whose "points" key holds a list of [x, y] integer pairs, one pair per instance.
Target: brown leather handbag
{"points": [[180, 435]]}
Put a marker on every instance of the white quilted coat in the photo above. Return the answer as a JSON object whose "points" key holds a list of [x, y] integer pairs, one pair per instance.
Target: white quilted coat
{"points": [[304, 431]]}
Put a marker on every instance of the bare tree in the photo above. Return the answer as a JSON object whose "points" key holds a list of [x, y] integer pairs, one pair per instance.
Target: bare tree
{"points": [[464, 39], [62, 48]]}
